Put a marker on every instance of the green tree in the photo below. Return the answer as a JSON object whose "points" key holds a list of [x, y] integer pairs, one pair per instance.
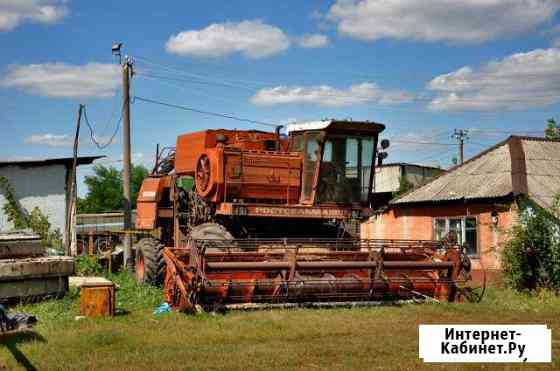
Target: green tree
{"points": [[137, 176], [404, 186], [552, 130], [105, 189]]}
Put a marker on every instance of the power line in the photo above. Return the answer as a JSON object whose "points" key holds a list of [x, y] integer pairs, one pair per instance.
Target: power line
{"points": [[200, 82], [92, 134], [114, 111], [427, 143], [409, 75], [197, 91], [223, 115], [342, 95], [176, 71], [475, 130], [365, 98], [436, 156], [479, 144]]}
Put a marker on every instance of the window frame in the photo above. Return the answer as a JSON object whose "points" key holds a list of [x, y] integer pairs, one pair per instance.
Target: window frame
{"points": [[463, 219]]}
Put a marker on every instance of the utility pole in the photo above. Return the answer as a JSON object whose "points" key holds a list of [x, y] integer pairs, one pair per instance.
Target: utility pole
{"points": [[71, 207], [461, 135], [127, 72]]}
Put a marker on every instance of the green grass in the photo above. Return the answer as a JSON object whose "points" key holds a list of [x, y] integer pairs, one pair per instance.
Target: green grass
{"points": [[363, 339]]}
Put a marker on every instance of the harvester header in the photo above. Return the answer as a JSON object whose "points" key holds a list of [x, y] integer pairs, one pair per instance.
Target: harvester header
{"points": [[247, 274]]}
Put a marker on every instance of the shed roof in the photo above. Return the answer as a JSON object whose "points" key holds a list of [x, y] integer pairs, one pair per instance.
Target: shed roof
{"points": [[518, 165], [67, 161], [391, 164]]}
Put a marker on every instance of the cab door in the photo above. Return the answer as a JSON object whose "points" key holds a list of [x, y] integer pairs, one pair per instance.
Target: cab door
{"points": [[311, 160]]}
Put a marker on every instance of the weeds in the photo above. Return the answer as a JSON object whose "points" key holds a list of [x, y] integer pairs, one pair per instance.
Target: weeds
{"points": [[132, 296], [361, 338], [88, 266]]}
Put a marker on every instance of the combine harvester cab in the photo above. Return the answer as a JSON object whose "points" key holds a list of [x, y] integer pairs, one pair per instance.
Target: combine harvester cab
{"points": [[249, 274]]}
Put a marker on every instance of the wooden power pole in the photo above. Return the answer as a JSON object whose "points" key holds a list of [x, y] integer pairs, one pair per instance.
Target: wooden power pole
{"points": [[70, 235], [461, 135], [128, 260]]}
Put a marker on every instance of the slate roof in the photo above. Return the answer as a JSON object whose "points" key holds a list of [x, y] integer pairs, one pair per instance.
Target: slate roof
{"points": [[516, 166], [389, 164]]}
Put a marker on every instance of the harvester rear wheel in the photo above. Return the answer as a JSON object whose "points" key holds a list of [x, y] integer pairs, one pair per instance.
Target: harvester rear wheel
{"points": [[150, 265]]}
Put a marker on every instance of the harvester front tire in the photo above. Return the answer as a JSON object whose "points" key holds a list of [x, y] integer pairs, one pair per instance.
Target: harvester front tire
{"points": [[211, 232], [150, 265]]}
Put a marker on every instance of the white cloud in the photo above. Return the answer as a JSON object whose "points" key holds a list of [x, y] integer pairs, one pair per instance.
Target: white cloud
{"points": [[313, 41], [462, 21], [50, 140], [253, 39], [325, 95], [519, 81], [15, 12], [59, 80]]}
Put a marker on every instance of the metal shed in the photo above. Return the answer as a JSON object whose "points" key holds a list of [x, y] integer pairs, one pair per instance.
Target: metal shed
{"points": [[43, 184]]}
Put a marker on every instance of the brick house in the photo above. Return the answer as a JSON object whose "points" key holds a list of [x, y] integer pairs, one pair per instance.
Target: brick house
{"points": [[478, 199]]}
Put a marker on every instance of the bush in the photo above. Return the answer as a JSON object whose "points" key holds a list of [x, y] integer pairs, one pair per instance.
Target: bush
{"points": [[133, 296], [39, 223], [531, 256], [22, 219], [88, 266], [404, 186]]}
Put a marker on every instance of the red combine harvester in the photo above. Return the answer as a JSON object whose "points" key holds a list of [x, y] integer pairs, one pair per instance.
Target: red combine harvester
{"points": [[218, 202]]}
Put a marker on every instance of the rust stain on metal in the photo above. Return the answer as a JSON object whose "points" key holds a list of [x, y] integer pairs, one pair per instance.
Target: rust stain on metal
{"points": [[97, 300]]}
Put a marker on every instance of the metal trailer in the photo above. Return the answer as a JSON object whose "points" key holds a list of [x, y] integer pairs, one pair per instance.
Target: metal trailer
{"points": [[99, 233]]}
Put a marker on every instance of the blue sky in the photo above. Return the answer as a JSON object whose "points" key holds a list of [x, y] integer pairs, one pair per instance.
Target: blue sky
{"points": [[422, 68]]}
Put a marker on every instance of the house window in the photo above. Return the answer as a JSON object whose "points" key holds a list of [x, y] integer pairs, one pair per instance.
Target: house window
{"points": [[463, 227]]}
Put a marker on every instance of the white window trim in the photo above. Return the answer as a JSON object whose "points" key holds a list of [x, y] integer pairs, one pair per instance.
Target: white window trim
{"points": [[463, 229]]}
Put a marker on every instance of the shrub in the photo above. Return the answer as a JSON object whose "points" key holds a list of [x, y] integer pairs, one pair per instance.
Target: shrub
{"points": [[531, 256], [88, 266], [22, 219], [404, 186]]}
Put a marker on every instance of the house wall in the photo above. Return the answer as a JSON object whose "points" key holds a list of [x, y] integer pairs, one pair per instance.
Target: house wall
{"points": [[416, 222], [39, 186], [418, 175], [387, 178]]}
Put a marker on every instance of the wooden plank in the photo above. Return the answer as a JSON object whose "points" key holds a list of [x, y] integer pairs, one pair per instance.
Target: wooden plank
{"points": [[51, 266], [20, 248], [35, 287], [79, 281], [19, 235]]}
